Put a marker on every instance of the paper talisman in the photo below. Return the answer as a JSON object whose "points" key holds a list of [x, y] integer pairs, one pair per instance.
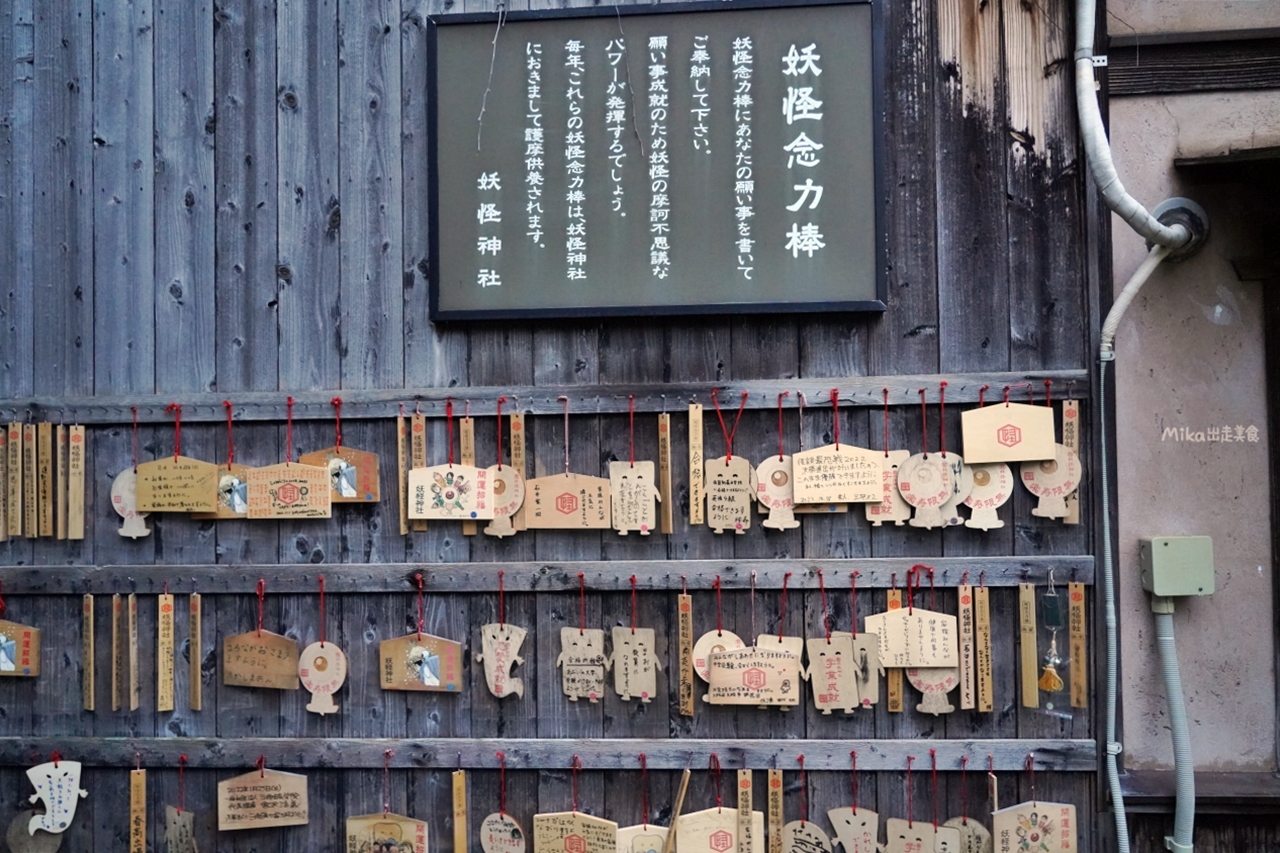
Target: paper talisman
{"points": [[839, 474], [499, 833], [710, 643], [353, 474], [934, 683], [982, 648], [322, 669], [775, 481], [645, 838], [867, 668], [500, 653], [634, 490], [1052, 481], [19, 649], [831, 671], [260, 659], [135, 683], [289, 490], [118, 668], [961, 486], [519, 462], [974, 837], [421, 662], [374, 833], [1028, 654], [1007, 432], [180, 484], [574, 832], [891, 507], [22, 841], [753, 676], [13, 480], [417, 459], [581, 663], [908, 836], [730, 487], [568, 502], [857, 831], [916, 637], [1037, 826], [138, 811], [992, 488], [804, 836], [179, 831], [467, 456], [507, 485], [924, 481], [1079, 658], [124, 502], [57, 784], [75, 482], [263, 798], [634, 662]]}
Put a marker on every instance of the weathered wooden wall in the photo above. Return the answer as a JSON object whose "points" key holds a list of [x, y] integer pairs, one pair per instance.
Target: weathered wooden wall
{"points": [[231, 197]]}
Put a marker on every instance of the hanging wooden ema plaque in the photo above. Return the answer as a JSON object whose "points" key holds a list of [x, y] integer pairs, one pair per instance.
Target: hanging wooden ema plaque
{"points": [[716, 830], [634, 659], [386, 831], [353, 474], [715, 641], [124, 500], [180, 484], [1007, 432], [582, 661], [857, 829], [831, 665], [260, 658], [568, 501], [574, 832], [729, 481], [452, 491], [866, 665], [645, 837], [420, 661], [57, 785], [507, 484], [179, 823], [633, 488], [1037, 825], [233, 482], [891, 507], [793, 646], [322, 668], [803, 835], [289, 489], [925, 643], [500, 832], [775, 484], [19, 647], [838, 473], [500, 650], [263, 798]]}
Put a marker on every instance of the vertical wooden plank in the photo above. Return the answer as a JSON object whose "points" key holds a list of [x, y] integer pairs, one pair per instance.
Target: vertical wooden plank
{"points": [[371, 297], [63, 203], [309, 212], [124, 198], [16, 243], [246, 197], [185, 298]]}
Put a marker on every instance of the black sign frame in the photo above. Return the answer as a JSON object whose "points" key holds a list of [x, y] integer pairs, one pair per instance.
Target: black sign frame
{"points": [[876, 305]]}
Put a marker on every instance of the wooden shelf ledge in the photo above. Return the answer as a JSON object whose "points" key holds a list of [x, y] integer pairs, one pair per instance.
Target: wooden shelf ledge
{"points": [[1217, 792]]}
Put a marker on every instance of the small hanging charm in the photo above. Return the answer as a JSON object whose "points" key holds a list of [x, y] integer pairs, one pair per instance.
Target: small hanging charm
{"points": [[124, 499], [57, 783], [633, 662], [322, 668], [582, 663], [1052, 615]]}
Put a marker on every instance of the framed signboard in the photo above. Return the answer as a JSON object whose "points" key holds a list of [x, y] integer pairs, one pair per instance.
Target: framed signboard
{"points": [[637, 160]]}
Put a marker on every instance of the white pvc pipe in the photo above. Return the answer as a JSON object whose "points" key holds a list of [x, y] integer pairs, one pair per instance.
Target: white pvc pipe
{"points": [[1184, 815]]}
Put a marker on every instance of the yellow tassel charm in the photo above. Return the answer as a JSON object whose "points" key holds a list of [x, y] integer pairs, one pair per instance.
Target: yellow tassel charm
{"points": [[1050, 681]]}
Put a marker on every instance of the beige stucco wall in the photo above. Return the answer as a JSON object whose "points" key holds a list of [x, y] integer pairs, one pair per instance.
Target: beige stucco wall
{"points": [[1133, 17], [1190, 354]]}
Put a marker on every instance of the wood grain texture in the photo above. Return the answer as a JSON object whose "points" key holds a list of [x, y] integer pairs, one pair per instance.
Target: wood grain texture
{"points": [[16, 245]]}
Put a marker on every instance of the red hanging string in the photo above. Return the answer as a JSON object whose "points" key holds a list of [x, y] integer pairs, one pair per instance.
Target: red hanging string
{"points": [[56, 757], [262, 599], [644, 788], [336, 402], [886, 422], [135, 438], [719, 609], [502, 782], [933, 762], [262, 766], [964, 578], [386, 781], [753, 607], [1031, 771], [713, 764], [780, 396], [631, 415], [1006, 394], [804, 793], [421, 623], [835, 415], [165, 588], [911, 593], [982, 396], [565, 400], [964, 790], [924, 425], [502, 599], [1048, 387], [826, 616], [728, 433], [782, 608], [853, 600], [853, 777], [582, 603], [800, 418], [182, 783], [137, 761], [910, 810], [448, 415], [942, 418], [501, 400], [175, 409], [633, 604], [577, 765], [231, 442], [321, 611], [288, 431], [2, 605], [1031, 393]]}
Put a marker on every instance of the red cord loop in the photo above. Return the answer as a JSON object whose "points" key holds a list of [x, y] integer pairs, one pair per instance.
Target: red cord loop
{"points": [[886, 422], [175, 409], [262, 599], [853, 600], [336, 402], [633, 604], [719, 609], [502, 782], [421, 622], [910, 809], [713, 765], [835, 415], [231, 442], [322, 611], [933, 763], [502, 599], [728, 433], [448, 415], [182, 783], [942, 417], [577, 766], [288, 431], [631, 415], [924, 425], [582, 603], [780, 396], [826, 615], [262, 766], [853, 777], [644, 788]]}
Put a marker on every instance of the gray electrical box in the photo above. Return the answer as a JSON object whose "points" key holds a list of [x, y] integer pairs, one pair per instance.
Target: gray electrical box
{"points": [[1177, 565]]}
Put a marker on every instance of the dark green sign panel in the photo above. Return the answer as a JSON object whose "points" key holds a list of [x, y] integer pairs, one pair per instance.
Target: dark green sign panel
{"points": [[642, 162]]}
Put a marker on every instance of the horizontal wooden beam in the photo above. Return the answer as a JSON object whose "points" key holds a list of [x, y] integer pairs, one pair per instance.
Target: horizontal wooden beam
{"points": [[549, 754], [1209, 66], [600, 576], [532, 400]]}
